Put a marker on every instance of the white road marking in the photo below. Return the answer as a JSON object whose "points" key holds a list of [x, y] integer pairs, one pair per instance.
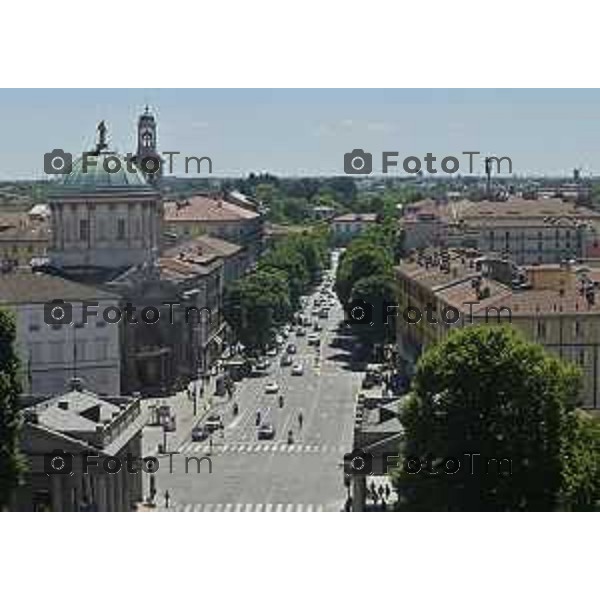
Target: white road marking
{"points": [[228, 507], [248, 508], [208, 507], [309, 508], [289, 508], [279, 508], [258, 508], [269, 508], [238, 507]]}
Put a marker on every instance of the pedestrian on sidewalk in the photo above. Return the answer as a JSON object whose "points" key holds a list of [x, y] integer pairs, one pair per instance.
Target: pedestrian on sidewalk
{"points": [[373, 491], [388, 491], [380, 491], [167, 498]]}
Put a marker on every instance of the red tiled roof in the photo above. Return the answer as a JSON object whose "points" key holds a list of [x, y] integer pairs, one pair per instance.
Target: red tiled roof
{"points": [[204, 208]]}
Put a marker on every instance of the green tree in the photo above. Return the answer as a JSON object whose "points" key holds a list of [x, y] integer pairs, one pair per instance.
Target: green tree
{"points": [[487, 392], [581, 485], [11, 465], [266, 193], [255, 305], [292, 266], [363, 258], [379, 291]]}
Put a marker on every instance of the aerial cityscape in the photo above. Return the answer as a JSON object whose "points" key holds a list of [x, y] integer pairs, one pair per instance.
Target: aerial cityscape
{"points": [[401, 332]]}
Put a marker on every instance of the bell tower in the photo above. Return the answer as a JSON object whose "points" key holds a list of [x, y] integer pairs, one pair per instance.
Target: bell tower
{"points": [[147, 157]]}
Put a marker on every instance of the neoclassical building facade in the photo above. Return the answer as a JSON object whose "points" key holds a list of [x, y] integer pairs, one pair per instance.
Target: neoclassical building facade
{"points": [[103, 220]]}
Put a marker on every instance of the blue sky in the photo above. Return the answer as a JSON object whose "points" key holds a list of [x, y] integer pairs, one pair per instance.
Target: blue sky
{"points": [[304, 132]]}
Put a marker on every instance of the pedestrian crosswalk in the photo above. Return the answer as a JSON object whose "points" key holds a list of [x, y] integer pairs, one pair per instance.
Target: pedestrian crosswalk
{"points": [[264, 507], [260, 447]]}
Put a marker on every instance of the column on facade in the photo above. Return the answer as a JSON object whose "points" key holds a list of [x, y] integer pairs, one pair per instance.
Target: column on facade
{"points": [[57, 493], [100, 493], [359, 493]]}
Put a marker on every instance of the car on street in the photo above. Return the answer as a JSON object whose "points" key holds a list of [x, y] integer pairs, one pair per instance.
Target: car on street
{"points": [[262, 364], [315, 312], [313, 339], [199, 433], [317, 326], [298, 369], [300, 332], [213, 422], [266, 432], [324, 313], [285, 361], [272, 351], [271, 387], [291, 349]]}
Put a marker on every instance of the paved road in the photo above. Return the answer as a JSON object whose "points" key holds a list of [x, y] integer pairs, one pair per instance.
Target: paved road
{"points": [[252, 475]]}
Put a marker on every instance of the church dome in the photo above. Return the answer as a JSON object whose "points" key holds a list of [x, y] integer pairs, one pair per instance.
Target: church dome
{"points": [[95, 174]]}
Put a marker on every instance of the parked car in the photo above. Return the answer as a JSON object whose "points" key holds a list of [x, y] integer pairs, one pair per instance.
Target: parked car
{"points": [[199, 433], [285, 361], [300, 332], [271, 388], [298, 369], [291, 349], [313, 339], [317, 326], [324, 313], [213, 422], [266, 432], [272, 351], [262, 364]]}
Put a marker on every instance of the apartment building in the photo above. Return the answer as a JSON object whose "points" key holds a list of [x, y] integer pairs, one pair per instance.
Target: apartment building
{"points": [[214, 216], [528, 231], [555, 305], [348, 226], [23, 237], [51, 354]]}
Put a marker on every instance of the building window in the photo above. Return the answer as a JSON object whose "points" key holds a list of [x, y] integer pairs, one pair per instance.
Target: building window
{"points": [[84, 230], [36, 352], [121, 229], [577, 328], [80, 348], [101, 346], [34, 321], [581, 358], [56, 351]]}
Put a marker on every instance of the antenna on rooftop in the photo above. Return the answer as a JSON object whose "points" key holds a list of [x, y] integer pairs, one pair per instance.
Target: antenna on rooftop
{"points": [[488, 174]]}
